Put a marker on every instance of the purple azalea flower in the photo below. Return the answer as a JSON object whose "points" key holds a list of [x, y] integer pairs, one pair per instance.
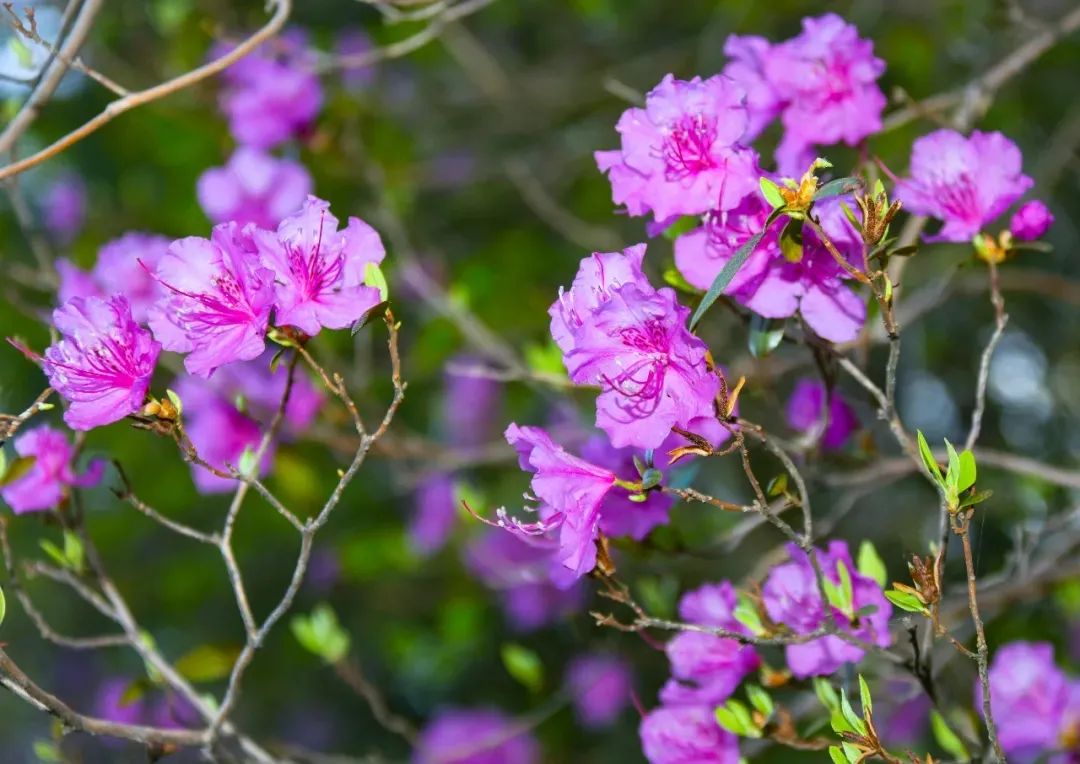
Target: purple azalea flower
{"points": [[768, 283], [1034, 704], [108, 703], [253, 187], [521, 571], [121, 268], [570, 491], [686, 735], [227, 414], [45, 484], [471, 405], [618, 515], [218, 302], [804, 413], [618, 332], [747, 68], [353, 42], [323, 572], [1031, 221], [64, 207], [683, 154], [103, 363], [600, 687], [706, 669], [320, 270], [474, 736], [791, 597], [434, 514], [964, 182], [272, 94], [826, 79]]}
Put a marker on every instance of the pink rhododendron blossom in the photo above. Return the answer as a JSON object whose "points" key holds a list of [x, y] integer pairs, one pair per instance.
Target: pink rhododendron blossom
{"points": [[804, 413], [618, 332], [747, 56], [45, 484], [121, 268], [683, 154], [319, 269], [103, 362], [768, 283], [273, 93], [599, 687], [354, 42], [1031, 221], [218, 300], [253, 187], [619, 516], [966, 182], [63, 208], [434, 513], [474, 736], [471, 404], [686, 735], [570, 490], [791, 597]]}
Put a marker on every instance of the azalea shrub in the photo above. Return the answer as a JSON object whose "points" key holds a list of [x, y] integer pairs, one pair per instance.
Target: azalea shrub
{"points": [[405, 390]]}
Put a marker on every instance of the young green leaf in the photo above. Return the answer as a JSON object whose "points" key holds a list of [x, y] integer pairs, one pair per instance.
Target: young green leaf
{"points": [[771, 192], [17, 469], [967, 471], [905, 601], [374, 277], [729, 721], [864, 697], [3, 606], [73, 551], [765, 335], [826, 693], [870, 563], [738, 715], [727, 273], [746, 613], [174, 399], [523, 665], [946, 738], [849, 714], [928, 459], [837, 755], [791, 241], [760, 700], [977, 498], [838, 187]]}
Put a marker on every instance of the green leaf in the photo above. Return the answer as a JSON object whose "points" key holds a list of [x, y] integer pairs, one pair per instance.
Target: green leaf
{"points": [[946, 738], [370, 315], [905, 601], [864, 697], [18, 469], [928, 459], [976, 498], [651, 478], [853, 754], [729, 721], [47, 751], [247, 465], [735, 717], [545, 359], [760, 700], [54, 552], [3, 462], [837, 755], [771, 192], [766, 334], [672, 277], [967, 472], [826, 693], [849, 714], [685, 224], [870, 563], [746, 613], [174, 399], [73, 551], [791, 241], [777, 486], [207, 663], [851, 216], [374, 277], [134, 691], [846, 589], [3, 606], [952, 475], [524, 665], [838, 187], [321, 634]]}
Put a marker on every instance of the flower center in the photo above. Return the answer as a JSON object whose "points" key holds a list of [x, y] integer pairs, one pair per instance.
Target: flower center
{"points": [[688, 147]]}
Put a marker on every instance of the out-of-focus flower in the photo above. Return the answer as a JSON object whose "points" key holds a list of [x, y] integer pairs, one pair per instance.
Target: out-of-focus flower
{"points": [[218, 301], [253, 187], [618, 332], [1036, 706], [124, 266], [600, 687], [686, 735], [791, 597], [434, 513], [966, 182], [770, 284], [706, 668], [273, 93], [826, 79], [46, 482], [324, 572], [570, 490], [804, 413], [320, 270], [619, 516], [747, 56], [471, 404], [682, 154], [109, 703], [1031, 221], [522, 574], [103, 363], [474, 736], [63, 209], [354, 42]]}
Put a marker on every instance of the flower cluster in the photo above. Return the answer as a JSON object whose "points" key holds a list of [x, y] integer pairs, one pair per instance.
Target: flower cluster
{"points": [[474, 736], [123, 267], [805, 409], [253, 187], [46, 481]]}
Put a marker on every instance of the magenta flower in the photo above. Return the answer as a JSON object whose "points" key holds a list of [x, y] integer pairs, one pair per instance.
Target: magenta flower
{"points": [[521, 571], [218, 302], [253, 187], [121, 268], [109, 703], [804, 413], [769, 284], [103, 363], [826, 79], [618, 515], [320, 270], [434, 514], [570, 491], [471, 404], [683, 154], [600, 687], [1031, 221], [64, 207], [1034, 704], [747, 68], [686, 735], [791, 597], [705, 668], [46, 483], [272, 94], [964, 182], [474, 736], [353, 42]]}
